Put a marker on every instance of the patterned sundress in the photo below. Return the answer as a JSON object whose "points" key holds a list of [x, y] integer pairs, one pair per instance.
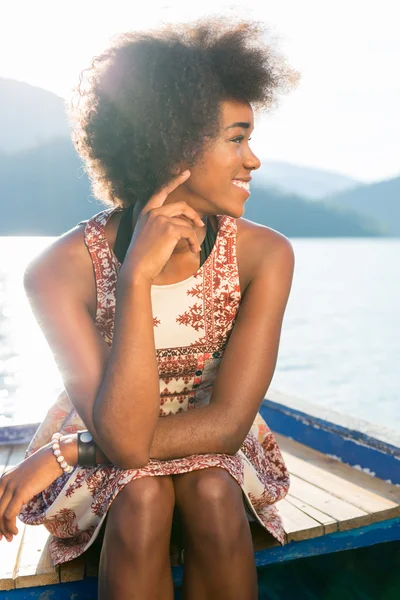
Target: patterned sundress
{"points": [[193, 320]]}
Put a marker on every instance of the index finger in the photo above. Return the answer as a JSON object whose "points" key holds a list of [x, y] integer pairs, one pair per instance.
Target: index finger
{"points": [[159, 198]]}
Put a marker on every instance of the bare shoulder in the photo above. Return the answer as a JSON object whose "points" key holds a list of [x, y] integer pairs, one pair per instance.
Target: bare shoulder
{"points": [[261, 247], [64, 266]]}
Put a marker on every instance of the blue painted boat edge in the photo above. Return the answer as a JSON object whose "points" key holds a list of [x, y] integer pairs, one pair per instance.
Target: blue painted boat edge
{"points": [[17, 434], [375, 435], [368, 535], [351, 446]]}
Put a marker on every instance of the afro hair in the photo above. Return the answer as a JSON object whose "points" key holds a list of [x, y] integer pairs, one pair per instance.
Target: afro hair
{"points": [[152, 99]]}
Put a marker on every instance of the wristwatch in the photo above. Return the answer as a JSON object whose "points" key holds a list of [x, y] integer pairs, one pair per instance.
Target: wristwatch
{"points": [[86, 449]]}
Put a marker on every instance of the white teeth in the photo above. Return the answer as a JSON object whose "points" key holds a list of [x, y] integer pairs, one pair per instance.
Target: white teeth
{"points": [[243, 184]]}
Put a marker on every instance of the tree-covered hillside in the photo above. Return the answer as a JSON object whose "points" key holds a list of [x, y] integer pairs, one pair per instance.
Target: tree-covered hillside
{"points": [[379, 201]]}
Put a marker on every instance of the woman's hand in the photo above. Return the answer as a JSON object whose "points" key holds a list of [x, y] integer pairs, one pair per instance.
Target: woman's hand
{"points": [[158, 230], [28, 478]]}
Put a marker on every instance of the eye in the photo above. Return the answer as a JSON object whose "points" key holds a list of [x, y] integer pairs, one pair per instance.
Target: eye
{"points": [[239, 139]]}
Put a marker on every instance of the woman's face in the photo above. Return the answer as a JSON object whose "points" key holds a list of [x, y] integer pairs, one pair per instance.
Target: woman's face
{"points": [[211, 187]]}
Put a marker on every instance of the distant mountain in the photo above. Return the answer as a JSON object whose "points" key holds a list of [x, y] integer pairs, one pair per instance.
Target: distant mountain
{"points": [[306, 182], [29, 116], [379, 201], [296, 217], [44, 191]]}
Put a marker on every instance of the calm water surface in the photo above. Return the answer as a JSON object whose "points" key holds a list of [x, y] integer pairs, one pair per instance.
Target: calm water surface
{"points": [[340, 343]]}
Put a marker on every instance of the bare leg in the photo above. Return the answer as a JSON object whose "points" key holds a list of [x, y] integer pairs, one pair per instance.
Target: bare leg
{"points": [[135, 557], [219, 553]]}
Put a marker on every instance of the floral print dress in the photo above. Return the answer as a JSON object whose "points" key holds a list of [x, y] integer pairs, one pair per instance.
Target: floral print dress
{"points": [[193, 320]]}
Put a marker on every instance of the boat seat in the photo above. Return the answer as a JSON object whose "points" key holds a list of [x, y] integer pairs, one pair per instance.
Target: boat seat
{"points": [[329, 503]]}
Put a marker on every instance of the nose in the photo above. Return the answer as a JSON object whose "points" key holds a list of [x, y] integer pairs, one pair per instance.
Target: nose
{"points": [[251, 161]]}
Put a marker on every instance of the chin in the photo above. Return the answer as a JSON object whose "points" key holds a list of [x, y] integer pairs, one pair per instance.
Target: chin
{"points": [[235, 212]]}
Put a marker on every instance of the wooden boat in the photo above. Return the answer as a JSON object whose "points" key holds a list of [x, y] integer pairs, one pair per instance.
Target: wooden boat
{"points": [[341, 517]]}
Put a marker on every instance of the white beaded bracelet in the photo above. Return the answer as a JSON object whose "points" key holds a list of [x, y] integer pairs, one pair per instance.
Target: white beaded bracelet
{"points": [[56, 439]]}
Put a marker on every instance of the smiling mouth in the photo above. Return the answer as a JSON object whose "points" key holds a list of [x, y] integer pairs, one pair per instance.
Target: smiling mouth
{"points": [[244, 185]]}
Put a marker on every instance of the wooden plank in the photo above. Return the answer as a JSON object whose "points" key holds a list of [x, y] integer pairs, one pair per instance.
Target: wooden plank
{"points": [[371, 502], [35, 566], [347, 515], [73, 570], [335, 467], [330, 525], [297, 525], [8, 557]]}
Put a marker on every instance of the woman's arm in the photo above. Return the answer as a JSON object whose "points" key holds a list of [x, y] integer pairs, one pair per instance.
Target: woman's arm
{"points": [[107, 387], [126, 408]]}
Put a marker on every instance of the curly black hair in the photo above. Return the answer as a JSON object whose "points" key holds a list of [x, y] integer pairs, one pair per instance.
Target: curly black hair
{"points": [[153, 99]]}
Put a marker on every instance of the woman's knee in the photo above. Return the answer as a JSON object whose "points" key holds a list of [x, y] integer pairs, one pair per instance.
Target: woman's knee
{"points": [[212, 494], [211, 503], [147, 494], [142, 511], [211, 487]]}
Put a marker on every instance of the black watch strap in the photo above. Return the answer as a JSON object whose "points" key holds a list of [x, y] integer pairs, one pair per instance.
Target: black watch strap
{"points": [[86, 449]]}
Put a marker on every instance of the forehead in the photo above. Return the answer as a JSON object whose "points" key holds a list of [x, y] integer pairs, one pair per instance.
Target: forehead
{"points": [[233, 111]]}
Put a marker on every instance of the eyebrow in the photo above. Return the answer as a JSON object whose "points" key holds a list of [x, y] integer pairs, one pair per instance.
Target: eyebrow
{"points": [[243, 124]]}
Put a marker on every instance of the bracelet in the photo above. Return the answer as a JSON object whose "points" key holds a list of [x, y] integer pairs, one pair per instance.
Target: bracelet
{"points": [[55, 440], [86, 449]]}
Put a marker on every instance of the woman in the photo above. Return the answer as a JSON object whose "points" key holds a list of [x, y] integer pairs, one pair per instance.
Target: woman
{"points": [[138, 305]]}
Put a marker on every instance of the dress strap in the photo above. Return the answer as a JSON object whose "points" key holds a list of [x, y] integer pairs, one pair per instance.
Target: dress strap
{"points": [[105, 266]]}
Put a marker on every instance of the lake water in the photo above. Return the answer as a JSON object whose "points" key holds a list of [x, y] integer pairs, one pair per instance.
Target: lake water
{"points": [[340, 343]]}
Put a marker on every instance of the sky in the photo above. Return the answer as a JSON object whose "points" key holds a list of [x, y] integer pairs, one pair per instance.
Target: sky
{"points": [[343, 116]]}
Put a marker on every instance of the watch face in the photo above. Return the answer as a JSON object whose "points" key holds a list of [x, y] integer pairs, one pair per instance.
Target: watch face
{"points": [[86, 438]]}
